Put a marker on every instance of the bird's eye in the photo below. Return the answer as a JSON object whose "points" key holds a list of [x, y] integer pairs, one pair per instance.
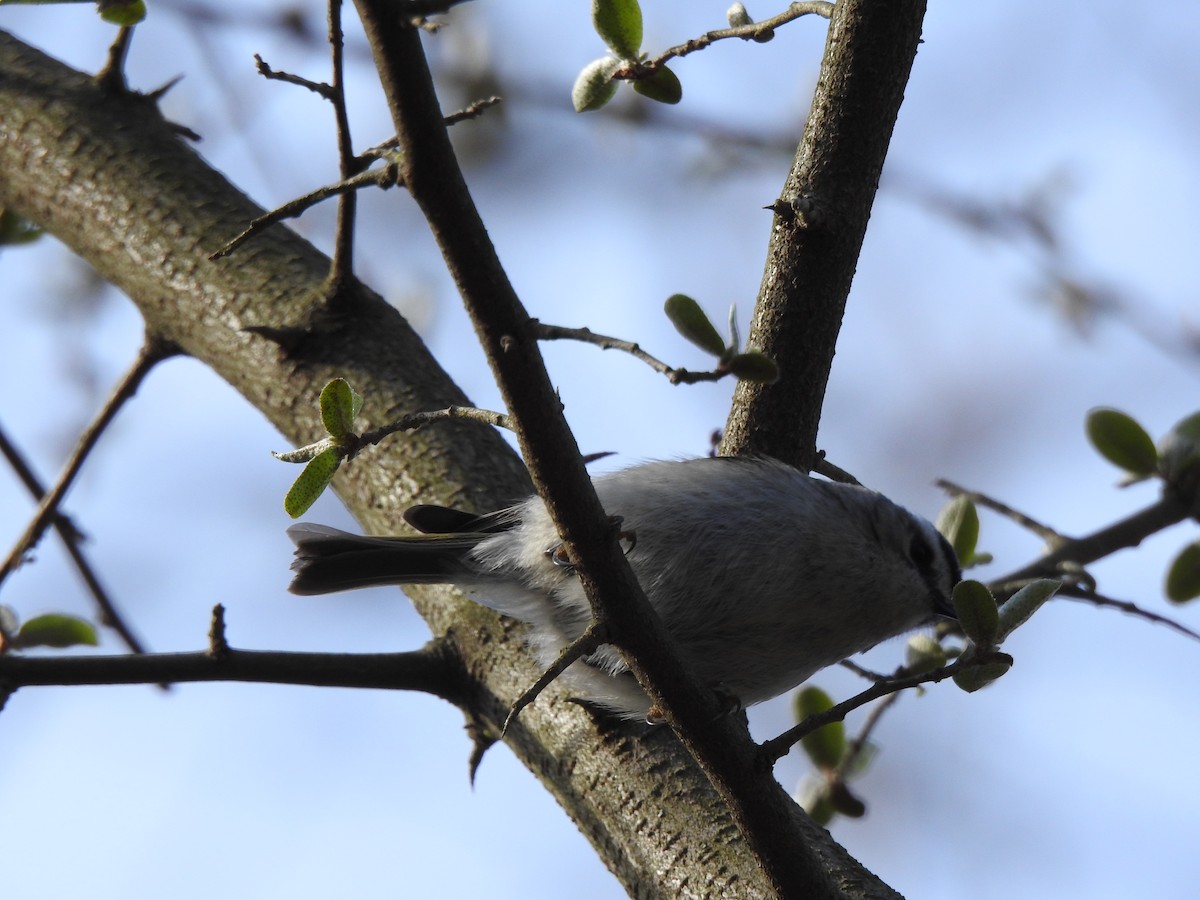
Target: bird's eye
{"points": [[920, 553]]}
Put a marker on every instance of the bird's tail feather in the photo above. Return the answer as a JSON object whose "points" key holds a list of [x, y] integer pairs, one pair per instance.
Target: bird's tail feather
{"points": [[329, 560]]}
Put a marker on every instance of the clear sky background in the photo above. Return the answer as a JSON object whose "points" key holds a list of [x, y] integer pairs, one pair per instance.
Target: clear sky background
{"points": [[1074, 776]]}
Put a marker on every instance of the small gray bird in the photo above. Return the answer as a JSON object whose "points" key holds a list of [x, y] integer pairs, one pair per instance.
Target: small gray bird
{"points": [[761, 574]]}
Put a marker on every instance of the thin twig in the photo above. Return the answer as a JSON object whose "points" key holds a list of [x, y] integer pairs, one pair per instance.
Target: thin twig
{"points": [[1130, 608], [384, 177], [778, 747], [317, 87], [72, 539], [153, 351], [1052, 538], [413, 421], [342, 265], [546, 332], [753, 31], [584, 645], [387, 149]]}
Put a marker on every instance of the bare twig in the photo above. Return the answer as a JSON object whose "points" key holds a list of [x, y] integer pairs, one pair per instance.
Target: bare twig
{"points": [[317, 87], [754, 31], [153, 351], [776, 748], [1052, 538], [1126, 606], [604, 342], [72, 540], [341, 268], [383, 177], [584, 645], [413, 421]]}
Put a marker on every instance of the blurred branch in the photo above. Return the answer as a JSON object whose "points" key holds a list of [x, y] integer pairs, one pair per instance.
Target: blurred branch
{"points": [[153, 351], [1128, 607], [72, 541]]}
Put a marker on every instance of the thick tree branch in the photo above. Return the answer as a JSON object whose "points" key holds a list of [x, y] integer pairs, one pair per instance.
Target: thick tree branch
{"points": [[820, 220], [434, 669]]}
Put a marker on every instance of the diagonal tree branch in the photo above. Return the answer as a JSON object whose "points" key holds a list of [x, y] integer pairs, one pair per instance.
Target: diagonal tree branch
{"points": [[820, 221]]}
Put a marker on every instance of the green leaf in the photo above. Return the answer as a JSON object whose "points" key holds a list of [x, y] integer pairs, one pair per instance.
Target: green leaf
{"points": [[959, 524], [312, 482], [827, 745], [619, 24], [1183, 578], [754, 366], [690, 321], [1122, 441], [975, 609], [122, 12], [662, 85], [1024, 603], [339, 405], [973, 678], [594, 87], [56, 630]]}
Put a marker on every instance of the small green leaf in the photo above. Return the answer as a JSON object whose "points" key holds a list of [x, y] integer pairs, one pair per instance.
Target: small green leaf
{"points": [[690, 321], [1122, 441], [1183, 578], [1024, 603], [827, 745], [923, 654], [975, 609], [619, 24], [662, 85], [312, 482], [56, 630], [973, 678], [594, 87], [122, 12], [754, 366], [339, 405], [959, 524]]}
